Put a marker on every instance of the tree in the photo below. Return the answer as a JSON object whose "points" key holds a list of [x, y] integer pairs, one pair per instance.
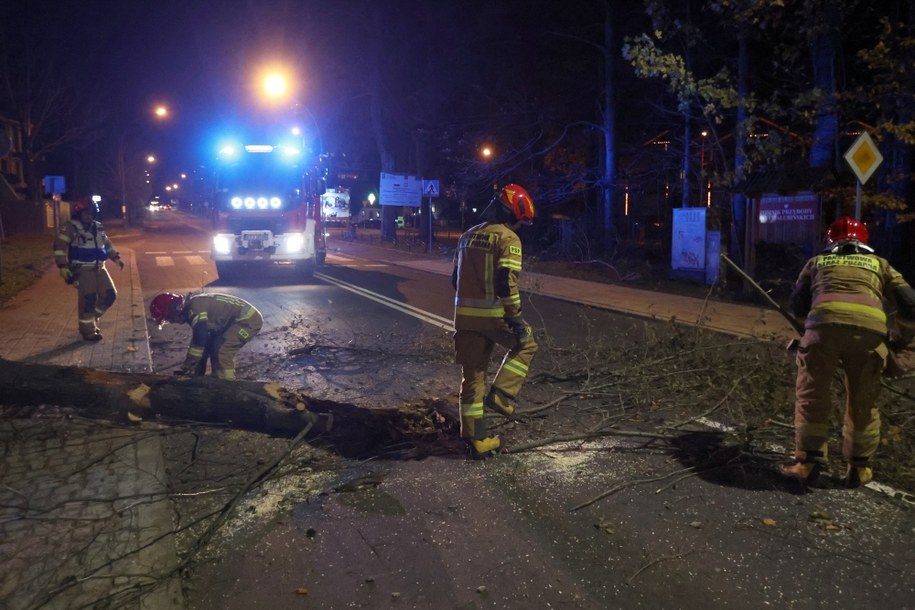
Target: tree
{"points": [[789, 58], [34, 92]]}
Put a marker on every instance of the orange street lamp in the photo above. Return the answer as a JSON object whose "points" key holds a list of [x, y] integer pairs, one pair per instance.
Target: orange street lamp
{"points": [[275, 85]]}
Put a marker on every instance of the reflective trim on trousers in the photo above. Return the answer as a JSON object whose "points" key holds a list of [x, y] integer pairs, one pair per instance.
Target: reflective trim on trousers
{"points": [[472, 410]]}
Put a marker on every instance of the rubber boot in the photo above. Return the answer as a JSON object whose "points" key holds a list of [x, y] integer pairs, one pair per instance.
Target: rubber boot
{"points": [[498, 402], [482, 446], [806, 471], [859, 473]]}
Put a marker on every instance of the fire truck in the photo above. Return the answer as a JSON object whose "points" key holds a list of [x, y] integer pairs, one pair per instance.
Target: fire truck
{"points": [[267, 211]]}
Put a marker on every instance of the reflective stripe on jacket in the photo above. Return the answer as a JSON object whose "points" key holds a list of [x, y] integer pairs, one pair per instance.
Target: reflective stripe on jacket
{"points": [[214, 313], [82, 246], [487, 263], [848, 289]]}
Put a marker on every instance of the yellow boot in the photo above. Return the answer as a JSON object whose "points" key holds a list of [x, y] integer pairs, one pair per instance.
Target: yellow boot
{"points": [[482, 446], [497, 401], [858, 475], [804, 472]]}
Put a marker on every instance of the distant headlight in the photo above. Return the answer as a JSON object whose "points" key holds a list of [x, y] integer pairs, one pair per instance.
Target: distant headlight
{"points": [[236, 203], [276, 203], [222, 244], [295, 243], [249, 203], [262, 203]]}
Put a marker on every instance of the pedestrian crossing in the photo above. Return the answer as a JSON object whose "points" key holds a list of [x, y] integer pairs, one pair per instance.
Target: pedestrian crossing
{"points": [[179, 257]]}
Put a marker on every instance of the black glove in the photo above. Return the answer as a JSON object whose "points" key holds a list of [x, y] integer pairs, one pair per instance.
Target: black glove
{"points": [[120, 263], [67, 275], [521, 329]]}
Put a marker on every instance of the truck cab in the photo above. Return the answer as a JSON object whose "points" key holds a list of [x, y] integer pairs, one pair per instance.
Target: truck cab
{"points": [[267, 212]]}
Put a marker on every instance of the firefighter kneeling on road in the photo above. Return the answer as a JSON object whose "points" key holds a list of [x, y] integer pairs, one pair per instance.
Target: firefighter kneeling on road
{"points": [[841, 292], [220, 325], [80, 251], [487, 311]]}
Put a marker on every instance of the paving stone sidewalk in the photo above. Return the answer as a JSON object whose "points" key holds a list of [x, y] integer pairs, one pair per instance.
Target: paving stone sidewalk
{"points": [[85, 521]]}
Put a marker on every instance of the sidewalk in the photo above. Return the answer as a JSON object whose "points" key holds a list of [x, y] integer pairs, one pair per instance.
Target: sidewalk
{"points": [[40, 325], [84, 514]]}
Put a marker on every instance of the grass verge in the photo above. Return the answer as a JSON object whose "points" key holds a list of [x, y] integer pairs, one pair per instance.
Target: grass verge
{"points": [[23, 259]]}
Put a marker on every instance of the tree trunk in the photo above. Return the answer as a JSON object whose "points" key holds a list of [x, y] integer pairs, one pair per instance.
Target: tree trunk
{"points": [[738, 200], [608, 118], [248, 405], [824, 48]]}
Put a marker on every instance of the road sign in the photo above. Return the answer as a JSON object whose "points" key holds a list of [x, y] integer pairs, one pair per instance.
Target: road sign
{"points": [[54, 184], [430, 188], [399, 189], [863, 157]]}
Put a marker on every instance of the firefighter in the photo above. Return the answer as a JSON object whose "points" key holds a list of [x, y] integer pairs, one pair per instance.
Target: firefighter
{"points": [[841, 291], [487, 311], [80, 251], [220, 325]]}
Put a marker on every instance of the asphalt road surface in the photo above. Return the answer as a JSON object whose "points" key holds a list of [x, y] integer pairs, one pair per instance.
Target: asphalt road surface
{"points": [[436, 530]]}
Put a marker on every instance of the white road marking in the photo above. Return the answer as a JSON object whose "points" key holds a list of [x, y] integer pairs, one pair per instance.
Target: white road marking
{"points": [[419, 314], [165, 261], [195, 260]]}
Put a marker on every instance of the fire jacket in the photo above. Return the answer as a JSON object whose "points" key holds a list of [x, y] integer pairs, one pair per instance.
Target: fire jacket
{"points": [[486, 268], [81, 246], [212, 314], [846, 285]]}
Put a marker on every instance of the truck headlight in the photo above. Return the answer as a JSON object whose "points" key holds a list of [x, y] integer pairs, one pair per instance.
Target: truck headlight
{"points": [[222, 244], [295, 243]]}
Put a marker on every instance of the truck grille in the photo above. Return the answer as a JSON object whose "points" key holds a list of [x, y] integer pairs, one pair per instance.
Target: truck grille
{"points": [[255, 240]]}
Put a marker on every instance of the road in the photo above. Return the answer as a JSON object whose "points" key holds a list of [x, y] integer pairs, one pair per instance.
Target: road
{"points": [[431, 529]]}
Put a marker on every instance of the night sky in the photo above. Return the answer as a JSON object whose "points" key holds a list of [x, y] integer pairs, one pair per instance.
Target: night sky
{"points": [[450, 65]]}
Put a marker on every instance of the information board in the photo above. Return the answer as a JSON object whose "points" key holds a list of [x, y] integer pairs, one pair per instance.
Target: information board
{"points": [[400, 189]]}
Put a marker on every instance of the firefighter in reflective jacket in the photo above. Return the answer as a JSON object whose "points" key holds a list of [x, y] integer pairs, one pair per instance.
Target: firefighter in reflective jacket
{"points": [[841, 292], [487, 311], [220, 325], [80, 251]]}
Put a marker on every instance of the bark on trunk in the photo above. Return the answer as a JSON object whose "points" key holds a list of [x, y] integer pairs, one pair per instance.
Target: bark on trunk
{"points": [[248, 405]]}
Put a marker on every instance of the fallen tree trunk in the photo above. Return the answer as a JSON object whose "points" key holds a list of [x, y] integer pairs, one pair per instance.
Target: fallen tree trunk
{"points": [[249, 405]]}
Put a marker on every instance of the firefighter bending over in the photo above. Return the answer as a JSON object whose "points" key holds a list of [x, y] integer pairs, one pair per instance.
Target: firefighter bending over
{"points": [[841, 292], [487, 311], [220, 325], [80, 251]]}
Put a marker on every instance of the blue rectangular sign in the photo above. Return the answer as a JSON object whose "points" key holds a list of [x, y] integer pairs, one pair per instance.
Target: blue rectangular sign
{"points": [[54, 184]]}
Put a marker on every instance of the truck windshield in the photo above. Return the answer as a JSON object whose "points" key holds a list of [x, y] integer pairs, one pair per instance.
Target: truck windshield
{"points": [[256, 173]]}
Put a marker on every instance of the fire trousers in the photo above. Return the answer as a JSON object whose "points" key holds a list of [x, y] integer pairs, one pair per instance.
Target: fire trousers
{"points": [[861, 355], [222, 348], [473, 350], [96, 294]]}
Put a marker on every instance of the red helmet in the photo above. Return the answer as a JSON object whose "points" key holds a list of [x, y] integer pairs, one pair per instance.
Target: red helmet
{"points": [[83, 203], [846, 228], [518, 201], [165, 305]]}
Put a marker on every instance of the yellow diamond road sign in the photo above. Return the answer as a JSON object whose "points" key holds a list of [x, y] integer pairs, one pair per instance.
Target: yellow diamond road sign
{"points": [[863, 157]]}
